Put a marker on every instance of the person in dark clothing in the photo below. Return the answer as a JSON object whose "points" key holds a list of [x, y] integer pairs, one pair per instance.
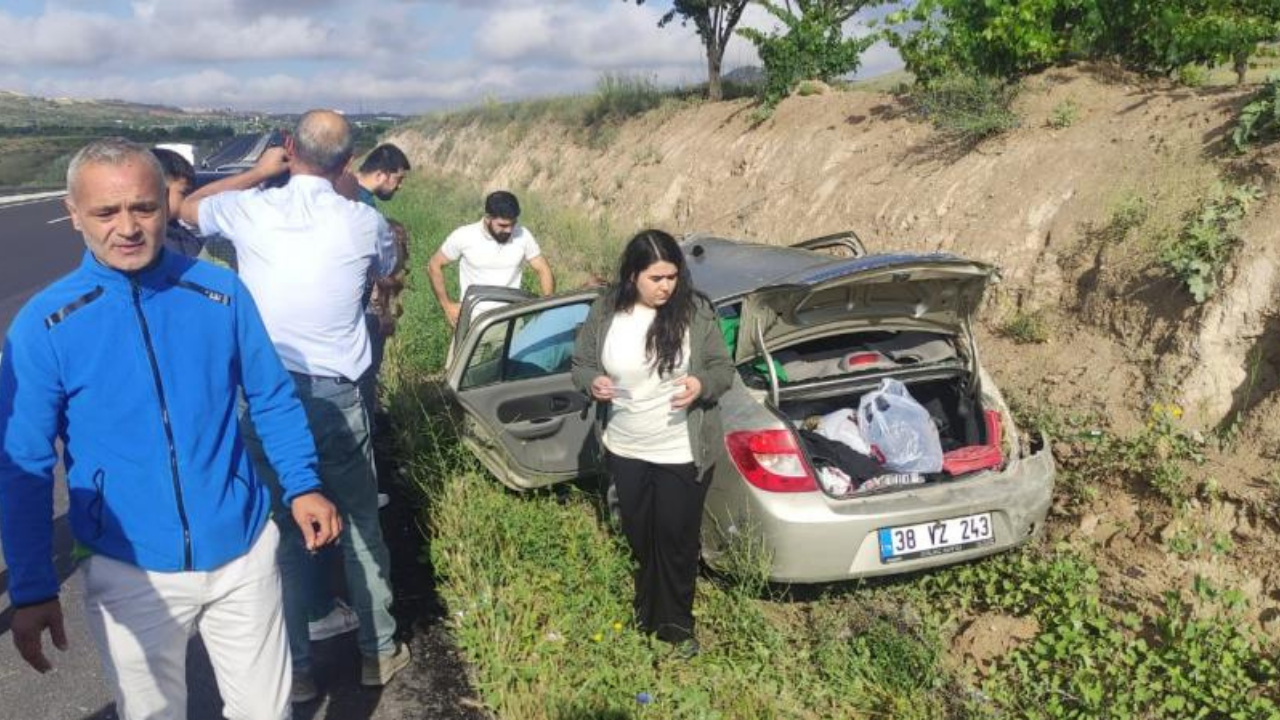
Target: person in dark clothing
{"points": [[380, 174], [180, 179], [652, 351]]}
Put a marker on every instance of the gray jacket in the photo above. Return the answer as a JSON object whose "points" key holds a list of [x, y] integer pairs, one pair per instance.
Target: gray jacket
{"points": [[708, 361]]}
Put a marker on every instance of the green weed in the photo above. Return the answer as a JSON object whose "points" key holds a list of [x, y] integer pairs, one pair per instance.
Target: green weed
{"points": [[1090, 456], [1260, 118], [968, 107], [1090, 660], [1193, 75], [1026, 327], [1184, 544], [808, 88], [619, 96], [1198, 254], [1064, 114]]}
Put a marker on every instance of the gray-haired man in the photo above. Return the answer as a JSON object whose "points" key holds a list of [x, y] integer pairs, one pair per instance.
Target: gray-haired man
{"points": [[305, 252], [134, 361]]}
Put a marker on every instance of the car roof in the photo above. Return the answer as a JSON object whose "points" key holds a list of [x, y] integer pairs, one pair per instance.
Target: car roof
{"points": [[724, 268]]}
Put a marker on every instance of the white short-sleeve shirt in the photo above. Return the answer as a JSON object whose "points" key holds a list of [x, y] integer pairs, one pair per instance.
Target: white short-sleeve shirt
{"points": [[305, 253], [484, 261]]}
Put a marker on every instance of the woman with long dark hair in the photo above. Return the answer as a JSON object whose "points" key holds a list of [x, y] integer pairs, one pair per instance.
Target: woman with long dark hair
{"points": [[651, 351]]}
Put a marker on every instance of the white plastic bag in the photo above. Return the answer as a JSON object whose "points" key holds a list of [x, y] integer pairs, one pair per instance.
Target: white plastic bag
{"points": [[900, 428], [842, 426]]}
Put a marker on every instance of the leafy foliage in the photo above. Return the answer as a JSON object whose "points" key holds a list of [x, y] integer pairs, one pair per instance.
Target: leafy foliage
{"points": [[1198, 254], [1260, 118], [1091, 660], [967, 107], [1026, 328], [812, 47], [1009, 39]]}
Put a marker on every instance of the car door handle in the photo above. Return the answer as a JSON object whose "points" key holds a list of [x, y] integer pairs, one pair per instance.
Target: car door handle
{"points": [[560, 403], [536, 428]]}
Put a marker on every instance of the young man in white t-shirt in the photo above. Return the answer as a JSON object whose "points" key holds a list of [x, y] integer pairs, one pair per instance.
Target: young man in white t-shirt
{"points": [[492, 251]]}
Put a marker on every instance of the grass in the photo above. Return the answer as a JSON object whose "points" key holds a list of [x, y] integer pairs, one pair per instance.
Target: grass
{"points": [[1026, 327], [538, 588], [1064, 114], [617, 97], [36, 161], [592, 118], [969, 108]]}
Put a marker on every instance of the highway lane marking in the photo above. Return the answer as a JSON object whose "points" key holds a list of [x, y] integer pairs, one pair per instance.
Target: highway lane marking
{"points": [[58, 220]]}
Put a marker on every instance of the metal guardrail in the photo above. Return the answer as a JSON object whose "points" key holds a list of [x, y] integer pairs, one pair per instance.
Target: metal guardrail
{"points": [[7, 190], [26, 197]]}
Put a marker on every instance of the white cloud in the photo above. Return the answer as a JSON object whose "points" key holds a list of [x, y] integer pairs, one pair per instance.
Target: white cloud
{"points": [[294, 54], [616, 36]]}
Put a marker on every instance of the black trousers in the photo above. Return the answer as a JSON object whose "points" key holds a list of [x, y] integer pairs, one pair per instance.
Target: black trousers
{"points": [[661, 509]]}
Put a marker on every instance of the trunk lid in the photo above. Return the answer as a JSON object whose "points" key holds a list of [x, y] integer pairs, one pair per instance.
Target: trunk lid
{"points": [[936, 292]]}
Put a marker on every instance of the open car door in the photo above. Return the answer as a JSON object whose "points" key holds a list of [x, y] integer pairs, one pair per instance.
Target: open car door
{"points": [[510, 376]]}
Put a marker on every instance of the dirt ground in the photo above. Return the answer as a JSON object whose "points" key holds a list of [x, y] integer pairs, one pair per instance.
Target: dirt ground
{"points": [[1073, 214]]}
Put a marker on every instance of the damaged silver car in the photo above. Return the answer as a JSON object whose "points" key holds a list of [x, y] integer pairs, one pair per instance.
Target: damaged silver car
{"points": [[812, 329]]}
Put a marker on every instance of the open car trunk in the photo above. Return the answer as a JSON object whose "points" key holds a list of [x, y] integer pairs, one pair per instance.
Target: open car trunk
{"points": [[818, 340], [810, 380]]}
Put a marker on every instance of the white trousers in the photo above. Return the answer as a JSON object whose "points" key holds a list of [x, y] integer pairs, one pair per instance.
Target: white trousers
{"points": [[142, 621]]}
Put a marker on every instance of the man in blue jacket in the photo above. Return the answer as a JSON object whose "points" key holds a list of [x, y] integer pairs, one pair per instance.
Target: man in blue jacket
{"points": [[133, 361]]}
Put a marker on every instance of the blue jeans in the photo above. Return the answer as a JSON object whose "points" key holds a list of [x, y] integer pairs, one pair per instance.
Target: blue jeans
{"points": [[340, 425]]}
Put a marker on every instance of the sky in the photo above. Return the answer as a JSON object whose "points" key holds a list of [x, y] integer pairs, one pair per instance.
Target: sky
{"points": [[401, 56]]}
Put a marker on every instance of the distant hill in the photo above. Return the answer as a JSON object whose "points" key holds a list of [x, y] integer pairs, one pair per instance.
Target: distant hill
{"points": [[28, 111], [745, 75]]}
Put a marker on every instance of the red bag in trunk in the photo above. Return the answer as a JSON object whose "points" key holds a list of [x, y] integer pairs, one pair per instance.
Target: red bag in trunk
{"points": [[977, 457]]}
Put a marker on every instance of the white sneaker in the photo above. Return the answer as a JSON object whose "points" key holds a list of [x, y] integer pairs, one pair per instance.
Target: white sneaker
{"points": [[383, 500], [339, 621]]}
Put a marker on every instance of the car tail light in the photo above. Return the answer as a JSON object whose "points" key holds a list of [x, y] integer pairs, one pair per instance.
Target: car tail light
{"points": [[771, 460]]}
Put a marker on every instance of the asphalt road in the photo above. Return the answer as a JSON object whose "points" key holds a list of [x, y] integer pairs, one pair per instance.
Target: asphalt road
{"points": [[38, 245]]}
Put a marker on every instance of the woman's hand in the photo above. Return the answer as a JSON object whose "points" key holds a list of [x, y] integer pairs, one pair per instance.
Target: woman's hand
{"points": [[685, 398], [602, 388]]}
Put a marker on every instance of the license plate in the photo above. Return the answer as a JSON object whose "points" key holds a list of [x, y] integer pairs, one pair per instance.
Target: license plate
{"points": [[935, 538]]}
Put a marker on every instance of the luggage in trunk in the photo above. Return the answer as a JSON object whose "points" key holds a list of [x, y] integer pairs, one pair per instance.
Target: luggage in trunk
{"points": [[959, 418]]}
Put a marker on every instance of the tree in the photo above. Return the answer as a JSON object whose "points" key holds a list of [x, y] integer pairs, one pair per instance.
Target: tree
{"points": [[812, 47], [1214, 31], [1010, 38], [715, 21]]}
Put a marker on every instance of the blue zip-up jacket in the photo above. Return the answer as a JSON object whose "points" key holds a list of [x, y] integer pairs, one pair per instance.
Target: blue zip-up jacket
{"points": [[137, 375]]}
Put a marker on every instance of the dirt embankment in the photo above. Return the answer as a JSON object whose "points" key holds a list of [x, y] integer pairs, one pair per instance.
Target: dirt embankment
{"points": [[1073, 207], [1038, 202]]}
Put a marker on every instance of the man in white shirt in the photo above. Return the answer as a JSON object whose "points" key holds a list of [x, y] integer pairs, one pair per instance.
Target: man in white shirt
{"points": [[305, 253], [492, 251]]}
